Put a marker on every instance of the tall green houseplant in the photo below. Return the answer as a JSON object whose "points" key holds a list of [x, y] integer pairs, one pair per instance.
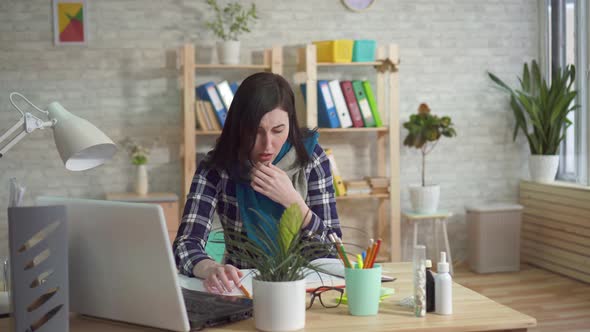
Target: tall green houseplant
{"points": [[541, 109]]}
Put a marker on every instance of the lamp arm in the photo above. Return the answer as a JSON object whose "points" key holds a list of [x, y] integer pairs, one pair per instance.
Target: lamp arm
{"points": [[25, 125]]}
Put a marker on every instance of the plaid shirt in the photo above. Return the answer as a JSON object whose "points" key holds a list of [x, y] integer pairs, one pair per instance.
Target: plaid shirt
{"points": [[212, 189]]}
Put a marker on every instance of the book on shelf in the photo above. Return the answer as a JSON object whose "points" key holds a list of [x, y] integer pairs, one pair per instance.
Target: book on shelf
{"points": [[225, 92], [202, 120], [210, 114], [361, 99], [357, 187], [372, 103], [340, 104], [353, 107], [337, 178], [208, 92], [379, 185]]}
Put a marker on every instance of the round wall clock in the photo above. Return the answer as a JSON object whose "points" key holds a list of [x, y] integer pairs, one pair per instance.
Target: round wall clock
{"points": [[358, 5]]}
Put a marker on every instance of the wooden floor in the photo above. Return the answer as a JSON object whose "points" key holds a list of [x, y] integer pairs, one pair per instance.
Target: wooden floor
{"points": [[558, 303]]}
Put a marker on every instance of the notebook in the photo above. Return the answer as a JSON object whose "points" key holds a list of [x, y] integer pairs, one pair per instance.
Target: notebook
{"points": [[121, 268]]}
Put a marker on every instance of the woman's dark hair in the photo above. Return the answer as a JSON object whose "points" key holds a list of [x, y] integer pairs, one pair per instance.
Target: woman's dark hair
{"points": [[258, 94]]}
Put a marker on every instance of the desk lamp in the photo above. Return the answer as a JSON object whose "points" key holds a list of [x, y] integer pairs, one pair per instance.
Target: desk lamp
{"points": [[81, 145]]}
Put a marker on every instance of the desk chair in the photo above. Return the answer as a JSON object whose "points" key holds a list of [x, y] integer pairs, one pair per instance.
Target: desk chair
{"points": [[215, 246], [436, 218]]}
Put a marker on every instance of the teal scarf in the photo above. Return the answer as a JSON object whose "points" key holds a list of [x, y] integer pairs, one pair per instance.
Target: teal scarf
{"points": [[264, 208]]}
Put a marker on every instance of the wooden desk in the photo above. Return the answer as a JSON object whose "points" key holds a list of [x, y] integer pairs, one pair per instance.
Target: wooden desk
{"points": [[472, 312]]}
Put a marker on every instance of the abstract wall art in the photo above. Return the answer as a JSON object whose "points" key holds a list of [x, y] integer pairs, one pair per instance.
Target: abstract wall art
{"points": [[70, 22]]}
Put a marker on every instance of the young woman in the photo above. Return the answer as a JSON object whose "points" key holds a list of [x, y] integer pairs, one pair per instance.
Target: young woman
{"points": [[261, 161]]}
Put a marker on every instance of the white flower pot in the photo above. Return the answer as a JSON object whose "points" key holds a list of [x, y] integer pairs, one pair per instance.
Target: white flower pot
{"points": [[543, 168], [424, 199], [279, 306], [141, 180], [228, 52]]}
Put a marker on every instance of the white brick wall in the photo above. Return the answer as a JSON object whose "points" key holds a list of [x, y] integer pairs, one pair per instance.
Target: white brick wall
{"points": [[125, 82]]}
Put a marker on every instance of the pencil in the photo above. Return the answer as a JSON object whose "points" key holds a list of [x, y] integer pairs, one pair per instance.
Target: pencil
{"points": [[376, 251], [245, 291], [359, 261]]}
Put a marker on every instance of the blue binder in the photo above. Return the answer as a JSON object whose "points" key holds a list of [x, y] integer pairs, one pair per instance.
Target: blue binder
{"points": [[208, 92], [234, 87], [327, 115]]}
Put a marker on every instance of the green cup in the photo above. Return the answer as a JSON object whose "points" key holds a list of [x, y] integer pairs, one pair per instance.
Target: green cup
{"points": [[363, 289]]}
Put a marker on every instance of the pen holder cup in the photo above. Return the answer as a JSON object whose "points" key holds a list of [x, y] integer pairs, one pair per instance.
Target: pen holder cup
{"points": [[363, 289], [38, 246]]}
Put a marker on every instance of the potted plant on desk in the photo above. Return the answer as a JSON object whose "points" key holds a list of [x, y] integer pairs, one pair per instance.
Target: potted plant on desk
{"points": [[228, 23], [541, 112], [279, 282], [424, 132]]}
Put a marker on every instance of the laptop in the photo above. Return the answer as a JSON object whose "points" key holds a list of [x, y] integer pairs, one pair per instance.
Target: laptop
{"points": [[121, 267]]}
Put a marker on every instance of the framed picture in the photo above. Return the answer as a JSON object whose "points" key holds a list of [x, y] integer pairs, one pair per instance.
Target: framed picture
{"points": [[70, 20]]}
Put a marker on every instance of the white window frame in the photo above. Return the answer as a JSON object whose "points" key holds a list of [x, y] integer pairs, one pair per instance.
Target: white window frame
{"points": [[582, 117]]}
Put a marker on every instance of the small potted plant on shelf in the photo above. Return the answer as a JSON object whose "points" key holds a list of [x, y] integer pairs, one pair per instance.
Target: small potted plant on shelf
{"points": [[228, 23], [139, 157], [424, 132], [281, 258], [541, 112]]}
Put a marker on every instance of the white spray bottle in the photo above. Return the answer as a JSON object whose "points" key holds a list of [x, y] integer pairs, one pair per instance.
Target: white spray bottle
{"points": [[443, 287]]}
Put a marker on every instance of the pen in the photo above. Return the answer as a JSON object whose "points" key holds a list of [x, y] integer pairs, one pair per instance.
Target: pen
{"points": [[359, 261], [245, 291]]}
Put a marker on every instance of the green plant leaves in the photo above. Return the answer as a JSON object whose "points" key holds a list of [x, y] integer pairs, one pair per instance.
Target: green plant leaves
{"points": [[231, 21], [540, 109], [281, 256], [289, 226]]}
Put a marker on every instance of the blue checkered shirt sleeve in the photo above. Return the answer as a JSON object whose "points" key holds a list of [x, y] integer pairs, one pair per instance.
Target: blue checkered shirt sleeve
{"points": [[320, 199], [189, 245]]}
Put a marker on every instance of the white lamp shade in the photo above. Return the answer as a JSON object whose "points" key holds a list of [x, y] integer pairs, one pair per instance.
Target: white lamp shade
{"points": [[80, 144]]}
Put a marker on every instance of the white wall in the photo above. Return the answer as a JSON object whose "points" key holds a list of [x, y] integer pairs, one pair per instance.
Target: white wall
{"points": [[125, 82]]}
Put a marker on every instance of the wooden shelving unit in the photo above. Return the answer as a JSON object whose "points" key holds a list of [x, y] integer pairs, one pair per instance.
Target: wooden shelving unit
{"points": [[189, 70], [387, 143]]}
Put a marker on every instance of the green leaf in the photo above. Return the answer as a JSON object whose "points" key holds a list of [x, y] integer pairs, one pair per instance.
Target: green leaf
{"points": [[289, 226]]}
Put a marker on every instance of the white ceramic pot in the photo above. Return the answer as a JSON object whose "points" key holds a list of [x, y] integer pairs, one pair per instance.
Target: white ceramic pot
{"points": [[279, 306], [424, 199], [141, 180], [543, 168], [228, 52]]}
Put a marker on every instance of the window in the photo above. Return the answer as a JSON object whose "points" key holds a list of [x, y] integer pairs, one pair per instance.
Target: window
{"points": [[569, 20]]}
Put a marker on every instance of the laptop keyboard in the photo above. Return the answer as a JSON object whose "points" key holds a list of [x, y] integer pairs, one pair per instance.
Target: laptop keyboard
{"points": [[210, 309]]}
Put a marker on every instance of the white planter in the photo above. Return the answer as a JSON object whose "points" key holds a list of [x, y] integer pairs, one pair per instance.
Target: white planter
{"points": [[228, 52], [543, 168], [424, 199], [141, 180], [279, 306]]}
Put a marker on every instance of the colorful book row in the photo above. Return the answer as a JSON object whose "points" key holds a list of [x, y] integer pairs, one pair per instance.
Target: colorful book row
{"points": [[345, 104]]}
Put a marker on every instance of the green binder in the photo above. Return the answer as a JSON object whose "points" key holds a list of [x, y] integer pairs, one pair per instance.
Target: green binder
{"points": [[372, 103], [364, 107]]}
